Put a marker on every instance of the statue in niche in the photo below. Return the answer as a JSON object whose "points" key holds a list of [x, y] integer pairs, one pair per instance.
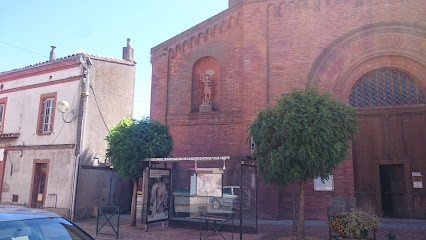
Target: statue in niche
{"points": [[206, 79]]}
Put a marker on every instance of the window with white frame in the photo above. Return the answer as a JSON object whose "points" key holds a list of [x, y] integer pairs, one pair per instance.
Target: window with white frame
{"points": [[1, 116], [326, 185], [47, 115]]}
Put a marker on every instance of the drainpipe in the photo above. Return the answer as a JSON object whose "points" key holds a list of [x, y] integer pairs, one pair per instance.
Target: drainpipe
{"points": [[82, 117]]}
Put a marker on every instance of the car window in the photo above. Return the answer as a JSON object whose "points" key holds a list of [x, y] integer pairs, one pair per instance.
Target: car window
{"points": [[41, 229], [15, 231], [237, 191], [227, 191], [61, 229]]}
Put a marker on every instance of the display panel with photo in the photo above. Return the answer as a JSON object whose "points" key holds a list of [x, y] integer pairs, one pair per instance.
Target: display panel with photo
{"points": [[209, 185], [158, 194]]}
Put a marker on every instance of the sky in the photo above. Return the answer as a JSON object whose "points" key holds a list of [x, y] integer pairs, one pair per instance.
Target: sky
{"points": [[100, 27]]}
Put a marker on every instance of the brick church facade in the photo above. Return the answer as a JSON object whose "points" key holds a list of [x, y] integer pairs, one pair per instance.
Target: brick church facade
{"points": [[370, 54]]}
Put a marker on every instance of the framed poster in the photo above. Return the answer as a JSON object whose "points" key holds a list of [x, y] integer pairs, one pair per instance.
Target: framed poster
{"points": [[158, 195], [209, 185]]}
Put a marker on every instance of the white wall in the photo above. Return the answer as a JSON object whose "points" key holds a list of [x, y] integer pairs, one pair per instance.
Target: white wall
{"points": [[114, 86], [23, 107], [21, 116], [17, 179]]}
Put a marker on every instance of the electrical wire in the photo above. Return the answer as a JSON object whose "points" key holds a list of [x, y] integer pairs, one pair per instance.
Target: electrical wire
{"points": [[99, 109], [23, 49]]}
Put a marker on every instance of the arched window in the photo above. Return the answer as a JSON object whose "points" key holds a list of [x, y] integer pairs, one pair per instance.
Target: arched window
{"points": [[386, 87]]}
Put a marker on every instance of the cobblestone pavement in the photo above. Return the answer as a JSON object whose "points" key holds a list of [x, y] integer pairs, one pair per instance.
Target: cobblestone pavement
{"points": [[267, 230]]}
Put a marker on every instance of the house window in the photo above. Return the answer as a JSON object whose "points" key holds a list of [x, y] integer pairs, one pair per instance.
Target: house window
{"points": [[46, 117], [46, 113], [1, 117], [2, 112]]}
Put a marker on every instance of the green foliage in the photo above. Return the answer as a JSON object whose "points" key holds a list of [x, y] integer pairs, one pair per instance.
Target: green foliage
{"points": [[131, 141], [353, 224], [304, 137]]}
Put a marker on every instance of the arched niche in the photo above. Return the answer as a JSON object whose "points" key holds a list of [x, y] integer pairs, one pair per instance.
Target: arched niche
{"points": [[198, 87]]}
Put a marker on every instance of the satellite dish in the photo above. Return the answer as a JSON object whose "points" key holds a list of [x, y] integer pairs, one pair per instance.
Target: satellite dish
{"points": [[209, 72], [63, 106]]}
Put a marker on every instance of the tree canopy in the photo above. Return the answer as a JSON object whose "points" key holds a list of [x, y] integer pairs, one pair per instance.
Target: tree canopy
{"points": [[304, 137], [130, 141]]}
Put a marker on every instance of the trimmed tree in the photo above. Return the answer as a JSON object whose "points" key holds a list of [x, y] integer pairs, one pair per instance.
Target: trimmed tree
{"points": [[131, 141], [305, 136]]}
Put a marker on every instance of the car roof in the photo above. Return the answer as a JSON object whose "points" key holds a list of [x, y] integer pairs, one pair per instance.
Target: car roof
{"points": [[14, 213]]}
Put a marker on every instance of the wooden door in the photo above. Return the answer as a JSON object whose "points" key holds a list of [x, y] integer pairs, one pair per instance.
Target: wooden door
{"points": [[391, 143], [390, 146], [367, 150], [39, 186]]}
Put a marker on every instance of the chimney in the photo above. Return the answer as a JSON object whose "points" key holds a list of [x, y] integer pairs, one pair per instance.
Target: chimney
{"points": [[52, 53], [128, 52]]}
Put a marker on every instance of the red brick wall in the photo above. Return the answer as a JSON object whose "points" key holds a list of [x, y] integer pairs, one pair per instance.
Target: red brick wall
{"points": [[266, 48]]}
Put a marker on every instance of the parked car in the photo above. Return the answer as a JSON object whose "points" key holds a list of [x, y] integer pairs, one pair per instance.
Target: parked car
{"points": [[20, 223], [230, 194]]}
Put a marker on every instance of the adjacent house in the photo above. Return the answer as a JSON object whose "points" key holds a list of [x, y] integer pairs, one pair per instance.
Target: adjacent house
{"points": [[54, 118], [209, 82]]}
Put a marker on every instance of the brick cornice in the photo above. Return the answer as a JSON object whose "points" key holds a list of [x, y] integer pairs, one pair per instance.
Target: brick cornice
{"points": [[211, 118], [200, 33], [277, 8]]}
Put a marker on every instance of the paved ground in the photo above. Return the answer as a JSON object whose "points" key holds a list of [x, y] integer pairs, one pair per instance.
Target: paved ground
{"points": [[156, 232], [406, 229]]}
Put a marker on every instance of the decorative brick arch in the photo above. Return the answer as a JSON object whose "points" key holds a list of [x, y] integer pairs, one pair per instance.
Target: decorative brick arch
{"points": [[385, 45], [381, 48], [414, 69]]}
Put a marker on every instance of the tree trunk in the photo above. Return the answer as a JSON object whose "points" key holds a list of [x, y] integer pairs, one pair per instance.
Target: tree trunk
{"points": [[301, 218], [293, 199], [134, 200]]}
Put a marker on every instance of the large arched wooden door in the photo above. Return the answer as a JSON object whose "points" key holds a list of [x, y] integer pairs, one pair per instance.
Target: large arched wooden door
{"points": [[390, 145]]}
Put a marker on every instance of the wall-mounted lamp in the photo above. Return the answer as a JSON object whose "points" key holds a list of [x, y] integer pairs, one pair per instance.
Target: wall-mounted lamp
{"points": [[64, 107]]}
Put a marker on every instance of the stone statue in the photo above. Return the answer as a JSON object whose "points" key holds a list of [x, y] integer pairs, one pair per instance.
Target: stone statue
{"points": [[205, 78]]}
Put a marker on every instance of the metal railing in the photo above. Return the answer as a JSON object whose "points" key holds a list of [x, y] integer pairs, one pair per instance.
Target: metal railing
{"points": [[106, 215]]}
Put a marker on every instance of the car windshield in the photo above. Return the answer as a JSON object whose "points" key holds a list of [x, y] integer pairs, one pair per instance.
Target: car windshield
{"points": [[41, 229]]}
